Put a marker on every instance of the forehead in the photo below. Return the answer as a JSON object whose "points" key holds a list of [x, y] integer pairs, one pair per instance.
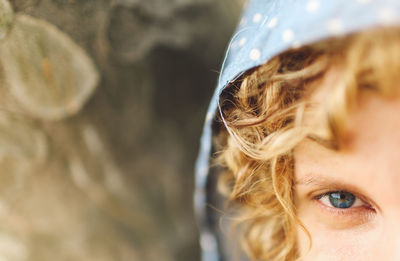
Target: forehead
{"points": [[371, 157]]}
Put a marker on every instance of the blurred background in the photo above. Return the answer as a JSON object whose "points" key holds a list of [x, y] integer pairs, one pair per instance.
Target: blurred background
{"points": [[102, 105]]}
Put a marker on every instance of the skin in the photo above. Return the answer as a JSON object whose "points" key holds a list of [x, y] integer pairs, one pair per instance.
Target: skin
{"points": [[368, 167]]}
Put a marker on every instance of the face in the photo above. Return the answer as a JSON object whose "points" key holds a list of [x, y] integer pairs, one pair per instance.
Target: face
{"points": [[349, 200]]}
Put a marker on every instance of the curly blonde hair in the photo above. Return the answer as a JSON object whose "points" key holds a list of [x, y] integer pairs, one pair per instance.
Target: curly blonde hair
{"points": [[263, 112]]}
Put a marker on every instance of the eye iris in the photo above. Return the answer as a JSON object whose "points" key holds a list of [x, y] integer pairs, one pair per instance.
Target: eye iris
{"points": [[341, 199]]}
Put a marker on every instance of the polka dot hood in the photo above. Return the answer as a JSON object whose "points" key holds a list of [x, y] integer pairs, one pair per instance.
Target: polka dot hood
{"points": [[267, 28]]}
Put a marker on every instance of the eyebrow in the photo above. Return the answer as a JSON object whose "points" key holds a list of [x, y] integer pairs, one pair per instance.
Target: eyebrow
{"points": [[316, 180], [327, 143]]}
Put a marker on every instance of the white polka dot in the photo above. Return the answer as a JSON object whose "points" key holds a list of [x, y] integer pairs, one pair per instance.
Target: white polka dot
{"points": [[273, 22], [208, 242], [257, 18], [242, 41], [243, 21], [234, 44], [387, 15], [203, 171], [287, 35], [335, 26], [364, 1], [312, 6], [209, 116], [255, 54], [296, 44]]}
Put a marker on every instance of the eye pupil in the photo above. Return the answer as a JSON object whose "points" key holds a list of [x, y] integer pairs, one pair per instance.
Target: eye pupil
{"points": [[341, 199]]}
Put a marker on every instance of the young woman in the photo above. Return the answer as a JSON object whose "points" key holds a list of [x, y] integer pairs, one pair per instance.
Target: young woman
{"points": [[307, 132]]}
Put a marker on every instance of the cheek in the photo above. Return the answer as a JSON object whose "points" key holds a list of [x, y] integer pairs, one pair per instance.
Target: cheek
{"points": [[333, 245]]}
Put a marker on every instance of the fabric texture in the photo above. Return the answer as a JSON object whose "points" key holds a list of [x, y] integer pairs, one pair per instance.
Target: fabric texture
{"points": [[268, 28]]}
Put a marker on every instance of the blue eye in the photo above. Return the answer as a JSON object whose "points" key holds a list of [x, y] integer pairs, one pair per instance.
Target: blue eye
{"points": [[341, 199]]}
